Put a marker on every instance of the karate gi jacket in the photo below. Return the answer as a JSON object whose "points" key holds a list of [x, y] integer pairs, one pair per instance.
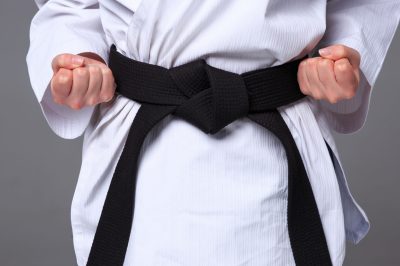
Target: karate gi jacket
{"points": [[212, 199]]}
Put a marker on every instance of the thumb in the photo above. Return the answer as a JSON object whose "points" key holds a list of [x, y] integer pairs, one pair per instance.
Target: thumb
{"points": [[338, 51], [68, 61]]}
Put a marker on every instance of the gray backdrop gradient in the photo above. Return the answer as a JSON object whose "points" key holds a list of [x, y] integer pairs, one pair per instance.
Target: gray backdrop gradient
{"points": [[38, 170]]}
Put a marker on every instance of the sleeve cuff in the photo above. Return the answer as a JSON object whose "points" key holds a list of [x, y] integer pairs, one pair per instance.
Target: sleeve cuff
{"points": [[65, 122], [349, 115]]}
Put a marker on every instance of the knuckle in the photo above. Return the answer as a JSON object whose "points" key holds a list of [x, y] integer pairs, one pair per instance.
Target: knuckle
{"points": [[326, 63], [57, 100], [350, 94], [333, 98], [341, 49], [76, 104], [58, 91], [305, 91], [323, 63], [303, 64], [94, 70], [106, 96], [106, 71], [63, 59], [62, 79], [343, 67], [312, 61], [92, 100], [317, 95], [346, 65], [81, 71]]}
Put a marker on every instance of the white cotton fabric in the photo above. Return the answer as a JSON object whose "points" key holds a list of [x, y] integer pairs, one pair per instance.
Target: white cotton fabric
{"points": [[217, 200]]}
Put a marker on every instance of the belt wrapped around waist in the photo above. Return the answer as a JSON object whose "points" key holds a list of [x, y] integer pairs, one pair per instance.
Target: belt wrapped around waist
{"points": [[209, 98]]}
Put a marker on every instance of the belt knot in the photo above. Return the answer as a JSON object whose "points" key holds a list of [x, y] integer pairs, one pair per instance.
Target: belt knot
{"points": [[215, 97], [209, 98]]}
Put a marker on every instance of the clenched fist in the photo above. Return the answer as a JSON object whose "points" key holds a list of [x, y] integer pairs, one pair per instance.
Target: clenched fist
{"points": [[81, 80], [333, 76]]}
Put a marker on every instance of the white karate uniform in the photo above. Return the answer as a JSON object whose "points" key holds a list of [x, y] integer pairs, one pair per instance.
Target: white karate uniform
{"points": [[212, 199]]}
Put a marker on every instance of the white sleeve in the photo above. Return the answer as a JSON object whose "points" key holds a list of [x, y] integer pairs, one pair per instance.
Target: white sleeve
{"points": [[62, 26], [369, 27]]}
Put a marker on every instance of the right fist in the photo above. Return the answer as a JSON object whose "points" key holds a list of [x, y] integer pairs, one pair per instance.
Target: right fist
{"points": [[81, 80]]}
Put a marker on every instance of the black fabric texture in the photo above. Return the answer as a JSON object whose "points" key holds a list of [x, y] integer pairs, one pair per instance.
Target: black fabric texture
{"points": [[210, 99]]}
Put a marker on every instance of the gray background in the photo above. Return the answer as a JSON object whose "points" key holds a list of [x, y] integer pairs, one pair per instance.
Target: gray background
{"points": [[38, 170]]}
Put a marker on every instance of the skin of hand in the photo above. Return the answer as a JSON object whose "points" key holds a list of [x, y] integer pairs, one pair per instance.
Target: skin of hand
{"points": [[85, 79], [333, 76], [81, 80]]}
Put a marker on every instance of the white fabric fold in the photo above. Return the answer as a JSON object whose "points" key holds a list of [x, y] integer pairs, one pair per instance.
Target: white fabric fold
{"points": [[63, 27], [369, 27], [221, 198]]}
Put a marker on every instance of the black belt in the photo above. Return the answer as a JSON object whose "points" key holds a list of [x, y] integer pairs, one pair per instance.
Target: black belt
{"points": [[210, 99]]}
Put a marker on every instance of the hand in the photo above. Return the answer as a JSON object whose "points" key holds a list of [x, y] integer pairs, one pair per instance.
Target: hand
{"points": [[333, 76], [81, 80]]}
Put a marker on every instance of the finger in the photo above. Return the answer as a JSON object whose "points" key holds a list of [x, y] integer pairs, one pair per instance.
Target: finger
{"points": [[327, 77], [69, 61], [345, 77], [302, 78], [316, 87], [344, 74], [92, 96], [339, 51], [108, 85], [61, 85], [79, 87]]}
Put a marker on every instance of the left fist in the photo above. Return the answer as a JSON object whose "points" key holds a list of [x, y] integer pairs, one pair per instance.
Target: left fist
{"points": [[333, 76]]}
